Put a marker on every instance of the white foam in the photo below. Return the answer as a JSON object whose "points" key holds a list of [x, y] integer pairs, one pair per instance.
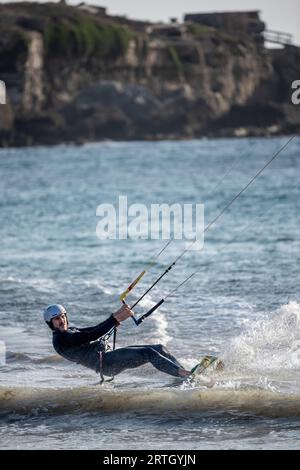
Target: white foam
{"points": [[161, 323], [271, 343]]}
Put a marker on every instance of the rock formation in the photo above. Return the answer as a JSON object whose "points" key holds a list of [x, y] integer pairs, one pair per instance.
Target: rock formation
{"points": [[75, 74]]}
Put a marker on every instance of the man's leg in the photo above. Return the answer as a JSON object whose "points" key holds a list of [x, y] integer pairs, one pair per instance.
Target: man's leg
{"points": [[162, 350], [131, 357]]}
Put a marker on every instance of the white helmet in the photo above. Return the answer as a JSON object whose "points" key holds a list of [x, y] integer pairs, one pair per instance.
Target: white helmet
{"points": [[53, 311]]}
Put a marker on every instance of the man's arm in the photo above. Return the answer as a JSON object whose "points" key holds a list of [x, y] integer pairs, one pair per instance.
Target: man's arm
{"points": [[90, 329], [86, 335]]}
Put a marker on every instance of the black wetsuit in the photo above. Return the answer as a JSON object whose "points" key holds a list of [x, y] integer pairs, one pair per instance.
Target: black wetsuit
{"points": [[82, 345]]}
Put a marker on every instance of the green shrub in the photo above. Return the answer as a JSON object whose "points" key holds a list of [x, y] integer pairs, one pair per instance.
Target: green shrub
{"points": [[85, 37]]}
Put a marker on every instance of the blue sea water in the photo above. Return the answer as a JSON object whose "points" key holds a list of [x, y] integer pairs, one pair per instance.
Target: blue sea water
{"points": [[243, 304]]}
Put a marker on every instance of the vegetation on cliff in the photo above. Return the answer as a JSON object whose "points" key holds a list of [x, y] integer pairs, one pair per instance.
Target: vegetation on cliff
{"points": [[82, 36]]}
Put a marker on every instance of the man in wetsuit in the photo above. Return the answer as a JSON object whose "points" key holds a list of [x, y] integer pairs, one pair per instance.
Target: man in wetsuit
{"points": [[86, 346]]}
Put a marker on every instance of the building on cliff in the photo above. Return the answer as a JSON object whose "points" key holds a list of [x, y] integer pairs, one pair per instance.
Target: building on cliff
{"points": [[248, 22]]}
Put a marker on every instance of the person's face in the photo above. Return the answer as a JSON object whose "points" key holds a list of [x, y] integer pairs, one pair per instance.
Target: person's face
{"points": [[60, 322]]}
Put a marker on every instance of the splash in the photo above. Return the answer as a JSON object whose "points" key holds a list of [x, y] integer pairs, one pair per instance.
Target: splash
{"points": [[161, 327], [269, 344]]}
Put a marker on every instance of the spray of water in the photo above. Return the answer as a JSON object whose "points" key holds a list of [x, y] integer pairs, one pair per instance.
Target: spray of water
{"points": [[269, 344]]}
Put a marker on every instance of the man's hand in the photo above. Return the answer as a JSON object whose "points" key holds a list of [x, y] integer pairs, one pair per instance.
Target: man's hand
{"points": [[123, 313]]}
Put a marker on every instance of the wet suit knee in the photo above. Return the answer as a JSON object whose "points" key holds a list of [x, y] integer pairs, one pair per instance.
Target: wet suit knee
{"points": [[161, 349], [160, 360], [149, 353]]}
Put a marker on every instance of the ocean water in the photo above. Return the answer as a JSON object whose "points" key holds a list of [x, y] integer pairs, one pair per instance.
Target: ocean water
{"points": [[243, 305]]}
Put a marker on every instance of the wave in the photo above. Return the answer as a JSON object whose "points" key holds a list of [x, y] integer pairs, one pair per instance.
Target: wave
{"points": [[100, 399], [17, 357]]}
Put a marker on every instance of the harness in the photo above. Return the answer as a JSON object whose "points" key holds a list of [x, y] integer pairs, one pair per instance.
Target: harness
{"points": [[107, 347]]}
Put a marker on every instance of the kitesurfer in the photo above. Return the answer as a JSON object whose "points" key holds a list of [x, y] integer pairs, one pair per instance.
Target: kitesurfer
{"points": [[86, 346]]}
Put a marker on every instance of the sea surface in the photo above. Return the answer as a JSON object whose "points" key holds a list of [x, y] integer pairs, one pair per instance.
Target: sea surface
{"points": [[243, 305]]}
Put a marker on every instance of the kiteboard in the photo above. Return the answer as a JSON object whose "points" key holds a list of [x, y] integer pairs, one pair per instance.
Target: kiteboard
{"points": [[197, 376], [205, 362]]}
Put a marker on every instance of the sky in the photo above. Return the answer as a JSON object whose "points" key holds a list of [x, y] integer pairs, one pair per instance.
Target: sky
{"points": [[279, 15]]}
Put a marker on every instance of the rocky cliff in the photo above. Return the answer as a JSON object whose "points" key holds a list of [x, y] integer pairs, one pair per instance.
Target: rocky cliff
{"points": [[77, 74]]}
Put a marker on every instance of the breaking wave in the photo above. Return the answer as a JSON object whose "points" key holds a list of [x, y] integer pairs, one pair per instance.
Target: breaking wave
{"points": [[95, 399]]}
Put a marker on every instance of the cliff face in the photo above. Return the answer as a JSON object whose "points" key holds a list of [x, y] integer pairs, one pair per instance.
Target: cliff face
{"points": [[72, 75]]}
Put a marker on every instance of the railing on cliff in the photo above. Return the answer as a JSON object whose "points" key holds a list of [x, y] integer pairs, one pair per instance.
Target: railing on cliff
{"points": [[276, 37]]}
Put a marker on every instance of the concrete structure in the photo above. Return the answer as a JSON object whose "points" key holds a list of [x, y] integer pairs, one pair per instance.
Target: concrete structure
{"points": [[246, 21]]}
